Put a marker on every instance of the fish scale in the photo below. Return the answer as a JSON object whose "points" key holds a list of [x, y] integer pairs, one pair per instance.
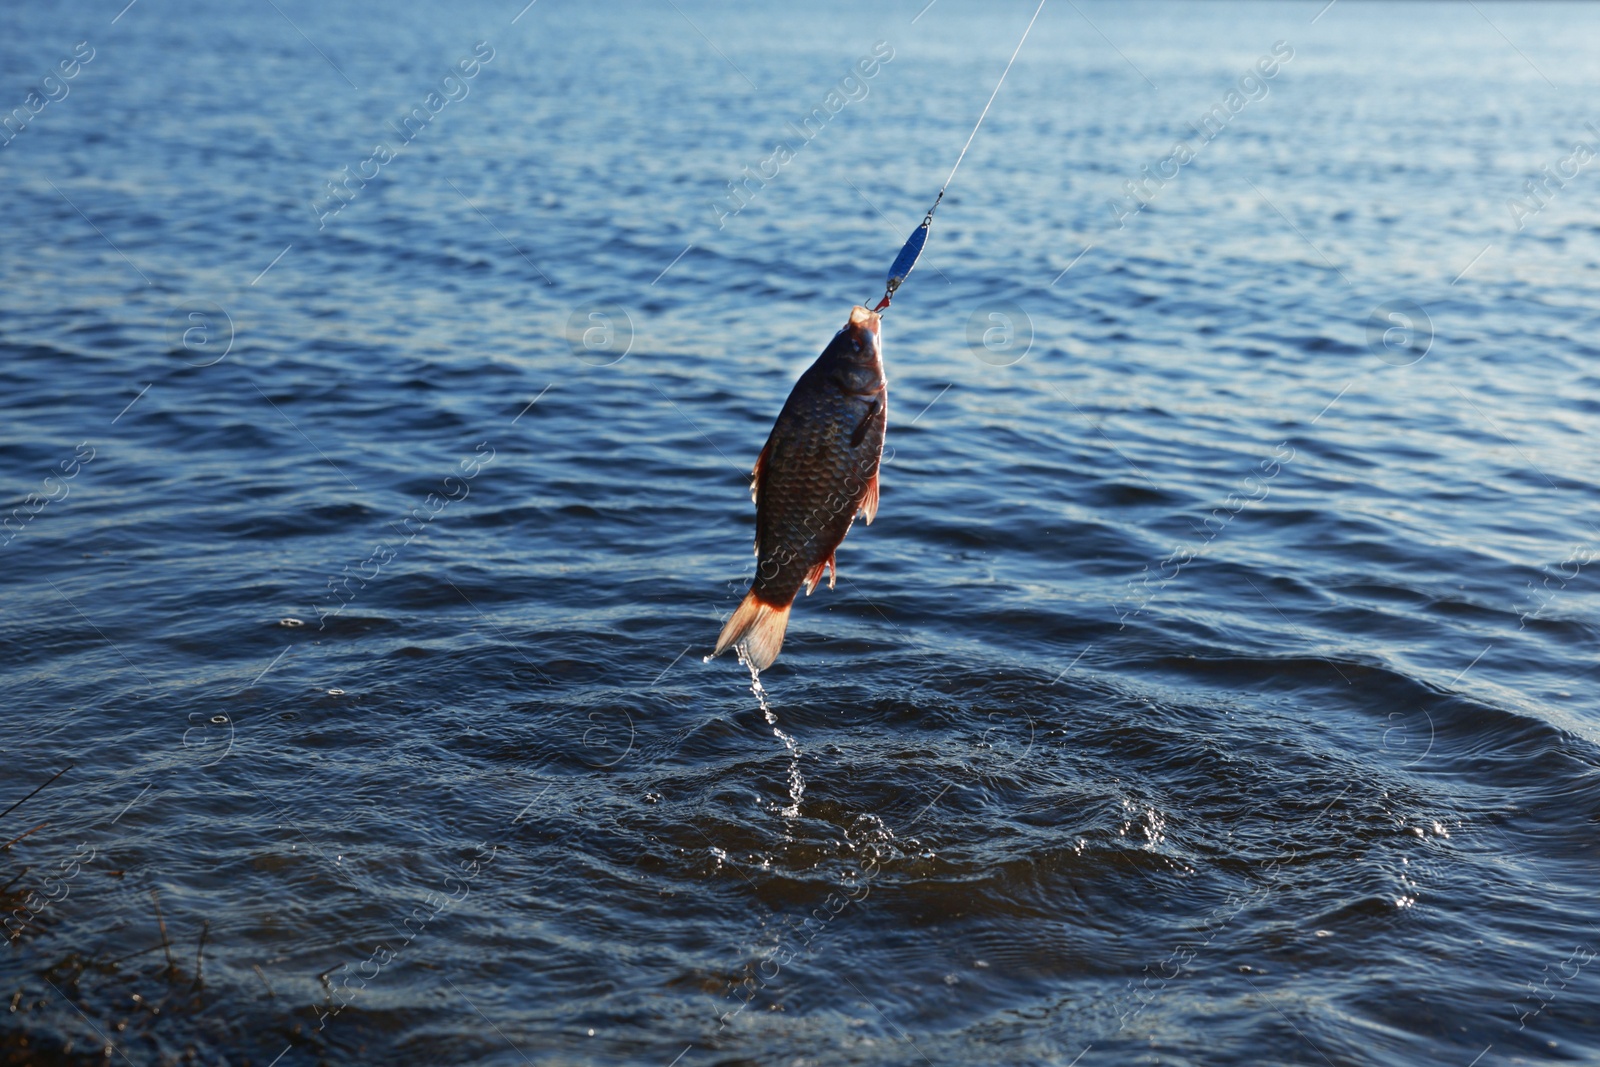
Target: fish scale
{"points": [[818, 470]]}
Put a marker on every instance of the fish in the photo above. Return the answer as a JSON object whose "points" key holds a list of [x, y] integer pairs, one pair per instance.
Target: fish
{"points": [[816, 473]]}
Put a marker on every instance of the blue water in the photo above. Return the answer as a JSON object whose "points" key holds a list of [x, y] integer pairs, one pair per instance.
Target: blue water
{"points": [[1212, 688]]}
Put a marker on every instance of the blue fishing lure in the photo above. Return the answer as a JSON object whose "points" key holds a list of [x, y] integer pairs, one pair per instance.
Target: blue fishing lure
{"points": [[909, 254]]}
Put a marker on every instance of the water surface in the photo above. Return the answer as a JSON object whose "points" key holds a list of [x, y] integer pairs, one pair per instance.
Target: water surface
{"points": [[1211, 688]]}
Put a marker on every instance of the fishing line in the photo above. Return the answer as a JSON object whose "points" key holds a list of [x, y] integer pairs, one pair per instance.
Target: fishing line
{"points": [[912, 249]]}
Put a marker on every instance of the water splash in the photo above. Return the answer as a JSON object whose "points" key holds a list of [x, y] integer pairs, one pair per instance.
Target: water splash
{"points": [[797, 784]]}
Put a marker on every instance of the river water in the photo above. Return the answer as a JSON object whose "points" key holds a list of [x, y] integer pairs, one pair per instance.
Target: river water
{"points": [[1212, 687]]}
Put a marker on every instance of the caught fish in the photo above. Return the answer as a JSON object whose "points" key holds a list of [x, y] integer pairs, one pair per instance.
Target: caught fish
{"points": [[819, 469]]}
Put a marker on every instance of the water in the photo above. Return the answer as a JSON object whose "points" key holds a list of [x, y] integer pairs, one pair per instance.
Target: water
{"points": [[1211, 688]]}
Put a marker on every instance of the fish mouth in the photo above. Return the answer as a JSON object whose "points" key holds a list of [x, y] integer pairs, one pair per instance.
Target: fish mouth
{"points": [[864, 328]]}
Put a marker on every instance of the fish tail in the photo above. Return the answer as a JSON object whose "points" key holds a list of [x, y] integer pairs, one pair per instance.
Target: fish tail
{"points": [[757, 627]]}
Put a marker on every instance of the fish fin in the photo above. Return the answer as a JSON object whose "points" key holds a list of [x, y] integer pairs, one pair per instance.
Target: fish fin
{"points": [[757, 627], [860, 433], [869, 502], [756, 477], [758, 471], [814, 575]]}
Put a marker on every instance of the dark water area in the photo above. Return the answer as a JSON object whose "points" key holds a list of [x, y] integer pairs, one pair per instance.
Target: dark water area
{"points": [[1213, 686]]}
